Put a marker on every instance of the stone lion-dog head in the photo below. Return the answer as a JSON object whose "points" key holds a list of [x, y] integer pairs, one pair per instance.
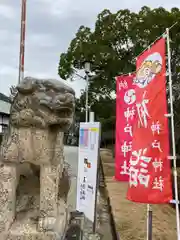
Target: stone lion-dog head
{"points": [[42, 103]]}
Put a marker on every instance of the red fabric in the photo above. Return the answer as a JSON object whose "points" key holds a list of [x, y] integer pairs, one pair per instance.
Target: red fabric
{"points": [[125, 110], [146, 138]]}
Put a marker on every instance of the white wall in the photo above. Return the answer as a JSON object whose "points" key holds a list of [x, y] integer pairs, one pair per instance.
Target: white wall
{"points": [[4, 120], [4, 107], [4, 112]]}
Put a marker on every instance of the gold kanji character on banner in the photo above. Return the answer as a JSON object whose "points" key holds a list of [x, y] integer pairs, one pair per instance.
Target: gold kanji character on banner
{"points": [[123, 84], [125, 169], [158, 183], [157, 164], [156, 127], [128, 129], [125, 148], [129, 113], [143, 111], [156, 144], [140, 174]]}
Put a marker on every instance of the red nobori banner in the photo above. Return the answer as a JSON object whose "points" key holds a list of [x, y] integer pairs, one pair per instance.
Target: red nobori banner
{"points": [[125, 113], [150, 172]]}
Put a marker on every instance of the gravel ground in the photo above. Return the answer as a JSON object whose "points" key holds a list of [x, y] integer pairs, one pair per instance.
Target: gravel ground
{"points": [[130, 218], [103, 227]]}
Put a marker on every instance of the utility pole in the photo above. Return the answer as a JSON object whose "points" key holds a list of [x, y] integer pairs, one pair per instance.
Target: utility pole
{"points": [[22, 41]]}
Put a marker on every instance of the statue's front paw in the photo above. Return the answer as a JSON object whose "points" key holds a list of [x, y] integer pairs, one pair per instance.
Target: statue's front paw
{"points": [[47, 224]]}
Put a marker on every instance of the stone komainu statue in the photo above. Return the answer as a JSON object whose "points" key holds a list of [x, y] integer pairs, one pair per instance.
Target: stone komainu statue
{"points": [[40, 113]]}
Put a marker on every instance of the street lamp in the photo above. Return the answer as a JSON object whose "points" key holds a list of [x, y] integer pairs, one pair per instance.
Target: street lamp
{"points": [[87, 67], [87, 77]]}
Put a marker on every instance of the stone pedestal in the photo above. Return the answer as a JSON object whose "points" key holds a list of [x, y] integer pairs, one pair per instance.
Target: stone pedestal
{"points": [[95, 236], [27, 230], [26, 224]]}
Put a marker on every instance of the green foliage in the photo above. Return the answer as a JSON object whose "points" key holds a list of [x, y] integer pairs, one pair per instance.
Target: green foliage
{"points": [[116, 40], [112, 47]]}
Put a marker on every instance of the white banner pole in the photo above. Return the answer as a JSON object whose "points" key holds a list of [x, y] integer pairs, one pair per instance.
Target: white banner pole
{"points": [[173, 134]]}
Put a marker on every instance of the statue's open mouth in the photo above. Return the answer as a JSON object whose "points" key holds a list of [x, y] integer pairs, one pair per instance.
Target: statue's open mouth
{"points": [[64, 112], [62, 109], [57, 114]]}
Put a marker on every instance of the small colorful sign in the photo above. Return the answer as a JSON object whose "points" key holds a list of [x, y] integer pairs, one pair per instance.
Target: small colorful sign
{"points": [[89, 135]]}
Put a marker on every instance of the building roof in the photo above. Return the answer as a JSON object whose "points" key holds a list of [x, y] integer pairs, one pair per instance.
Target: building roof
{"points": [[4, 104], [4, 98]]}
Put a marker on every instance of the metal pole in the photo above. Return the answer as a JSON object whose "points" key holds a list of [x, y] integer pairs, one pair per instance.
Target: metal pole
{"points": [[96, 196], [87, 88], [149, 222], [173, 134], [91, 116], [22, 41], [97, 187]]}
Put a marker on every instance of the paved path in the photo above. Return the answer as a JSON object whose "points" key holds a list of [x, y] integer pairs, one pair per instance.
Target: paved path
{"points": [[71, 157]]}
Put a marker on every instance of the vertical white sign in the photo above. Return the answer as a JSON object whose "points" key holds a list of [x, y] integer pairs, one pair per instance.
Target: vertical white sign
{"points": [[89, 135]]}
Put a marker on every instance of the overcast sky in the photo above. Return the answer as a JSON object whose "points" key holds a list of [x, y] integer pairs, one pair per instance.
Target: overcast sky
{"points": [[51, 24]]}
